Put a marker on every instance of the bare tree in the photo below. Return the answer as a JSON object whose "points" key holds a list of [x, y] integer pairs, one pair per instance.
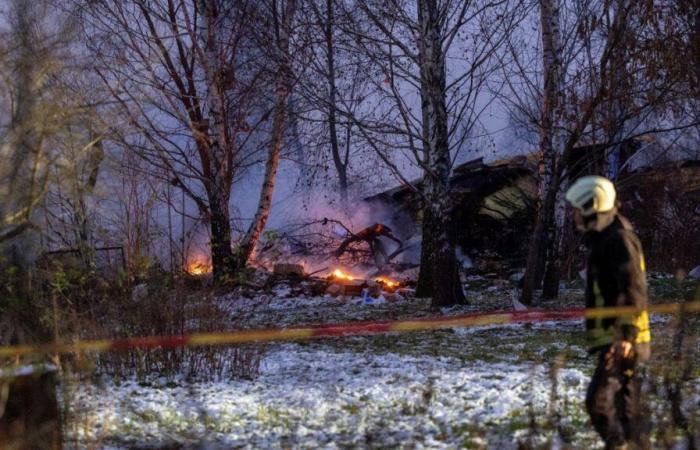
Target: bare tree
{"points": [[283, 13], [67, 207], [34, 54], [341, 164], [333, 63], [182, 72], [134, 218], [551, 98], [611, 87], [428, 104]]}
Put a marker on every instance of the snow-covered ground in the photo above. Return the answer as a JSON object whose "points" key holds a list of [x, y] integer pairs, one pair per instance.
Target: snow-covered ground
{"points": [[316, 398], [482, 387]]}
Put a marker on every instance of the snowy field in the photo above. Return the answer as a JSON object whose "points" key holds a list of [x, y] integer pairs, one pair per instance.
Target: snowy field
{"points": [[486, 387], [318, 399]]}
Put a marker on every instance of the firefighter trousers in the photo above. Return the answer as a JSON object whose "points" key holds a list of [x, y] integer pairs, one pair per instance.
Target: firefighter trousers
{"points": [[615, 405]]}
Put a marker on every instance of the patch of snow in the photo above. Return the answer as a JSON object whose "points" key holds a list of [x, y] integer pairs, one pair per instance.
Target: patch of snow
{"points": [[319, 399], [695, 273], [517, 276], [464, 259], [517, 305], [26, 369]]}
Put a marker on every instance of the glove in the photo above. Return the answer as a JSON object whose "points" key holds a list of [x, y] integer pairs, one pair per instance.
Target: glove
{"points": [[620, 355]]}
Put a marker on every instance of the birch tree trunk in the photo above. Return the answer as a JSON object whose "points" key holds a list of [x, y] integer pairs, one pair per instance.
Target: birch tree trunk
{"points": [[544, 235], [437, 233], [283, 87], [218, 181], [424, 286]]}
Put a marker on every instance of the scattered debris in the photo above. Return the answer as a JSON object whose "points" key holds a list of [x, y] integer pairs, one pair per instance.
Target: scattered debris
{"points": [[371, 236], [516, 277]]}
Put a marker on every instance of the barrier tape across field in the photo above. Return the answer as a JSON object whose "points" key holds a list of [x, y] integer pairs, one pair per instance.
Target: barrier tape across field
{"points": [[341, 329]]}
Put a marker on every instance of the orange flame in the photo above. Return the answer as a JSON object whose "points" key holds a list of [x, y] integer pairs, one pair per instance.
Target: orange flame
{"points": [[387, 282], [198, 268], [339, 274]]}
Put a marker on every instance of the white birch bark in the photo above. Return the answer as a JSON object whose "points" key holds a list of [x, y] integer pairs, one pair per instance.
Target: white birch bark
{"points": [[544, 239], [446, 286], [283, 86], [218, 186]]}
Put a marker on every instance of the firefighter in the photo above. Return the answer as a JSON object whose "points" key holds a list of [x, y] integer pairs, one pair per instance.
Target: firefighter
{"points": [[615, 278]]}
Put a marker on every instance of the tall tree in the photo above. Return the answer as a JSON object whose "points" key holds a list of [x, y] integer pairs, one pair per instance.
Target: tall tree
{"points": [[215, 141], [341, 165], [544, 234], [33, 55], [437, 229], [610, 61], [282, 13], [333, 64], [181, 72], [428, 105]]}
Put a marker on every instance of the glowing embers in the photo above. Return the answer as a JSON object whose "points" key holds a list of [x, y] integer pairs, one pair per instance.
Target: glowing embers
{"points": [[339, 275], [344, 282], [388, 284], [198, 266]]}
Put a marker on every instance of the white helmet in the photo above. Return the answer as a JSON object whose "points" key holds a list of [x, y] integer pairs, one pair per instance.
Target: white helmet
{"points": [[592, 194]]}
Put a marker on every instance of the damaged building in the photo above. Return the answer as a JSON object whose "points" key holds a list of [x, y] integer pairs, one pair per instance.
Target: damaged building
{"points": [[494, 206]]}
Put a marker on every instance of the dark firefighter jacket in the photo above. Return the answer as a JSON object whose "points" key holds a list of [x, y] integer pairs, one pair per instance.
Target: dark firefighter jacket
{"points": [[616, 277]]}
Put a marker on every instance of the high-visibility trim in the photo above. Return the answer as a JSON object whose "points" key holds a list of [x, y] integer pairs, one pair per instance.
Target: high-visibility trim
{"points": [[641, 321], [599, 335], [356, 329]]}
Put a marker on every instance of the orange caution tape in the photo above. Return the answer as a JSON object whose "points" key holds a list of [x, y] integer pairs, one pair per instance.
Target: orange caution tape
{"points": [[339, 330]]}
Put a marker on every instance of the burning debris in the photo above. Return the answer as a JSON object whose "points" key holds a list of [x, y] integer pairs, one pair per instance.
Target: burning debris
{"points": [[371, 235], [342, 283], [336, 282], [341, 276], [198, 268], [387, 284], [320, 245]]}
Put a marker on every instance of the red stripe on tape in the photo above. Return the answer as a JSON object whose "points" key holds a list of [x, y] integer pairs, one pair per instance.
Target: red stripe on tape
{"points": [[347, 329], [334, 330], [149, 342]]}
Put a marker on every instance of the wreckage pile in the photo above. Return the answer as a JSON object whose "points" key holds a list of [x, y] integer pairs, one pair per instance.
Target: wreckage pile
{"points": [[340, 284], [316, 254]]}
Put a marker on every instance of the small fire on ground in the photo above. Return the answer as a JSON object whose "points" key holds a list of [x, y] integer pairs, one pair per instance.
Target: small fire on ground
{"points": [[340, 275], [386, 283], [198, 267]]}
